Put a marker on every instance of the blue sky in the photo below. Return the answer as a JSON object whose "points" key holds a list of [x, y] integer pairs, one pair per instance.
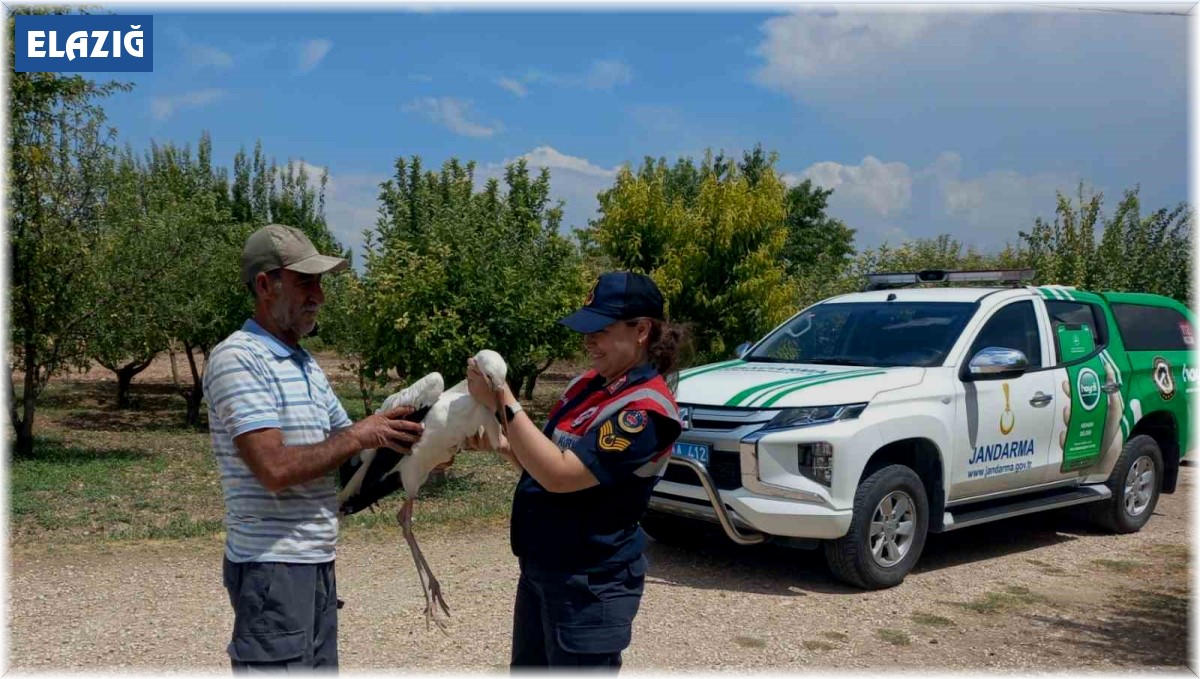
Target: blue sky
{"points": [[923, 122]]}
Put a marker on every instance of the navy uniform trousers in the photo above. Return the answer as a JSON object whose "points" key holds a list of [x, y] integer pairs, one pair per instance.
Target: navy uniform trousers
{"points": [[574, 619]]}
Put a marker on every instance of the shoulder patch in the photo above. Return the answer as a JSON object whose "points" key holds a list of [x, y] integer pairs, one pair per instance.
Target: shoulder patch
{"points": [[610, 441], [632, 421]]}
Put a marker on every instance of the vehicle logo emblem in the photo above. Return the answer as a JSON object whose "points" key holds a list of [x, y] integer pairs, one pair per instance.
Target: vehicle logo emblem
{"points": [[1008, 419], [1163, 379], [1087, 383]]}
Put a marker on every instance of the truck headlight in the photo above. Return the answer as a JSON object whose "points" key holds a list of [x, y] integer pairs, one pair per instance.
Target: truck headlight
{"points": [[805, 417], [816, 462]]}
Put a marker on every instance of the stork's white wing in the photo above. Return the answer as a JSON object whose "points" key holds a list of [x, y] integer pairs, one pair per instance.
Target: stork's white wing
{"points": [[423, 392]]}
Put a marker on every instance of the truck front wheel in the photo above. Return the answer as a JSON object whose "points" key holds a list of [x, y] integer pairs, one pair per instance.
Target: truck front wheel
{"points": [[887, 532]]}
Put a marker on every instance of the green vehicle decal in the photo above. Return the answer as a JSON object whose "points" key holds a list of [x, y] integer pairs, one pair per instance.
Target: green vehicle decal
{"points": [[766, 391], [826, 380], [750, 394], [708, 368]]}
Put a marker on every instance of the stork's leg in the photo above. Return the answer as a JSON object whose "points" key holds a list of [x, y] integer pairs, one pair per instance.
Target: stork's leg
{"points": [[432, 590]]}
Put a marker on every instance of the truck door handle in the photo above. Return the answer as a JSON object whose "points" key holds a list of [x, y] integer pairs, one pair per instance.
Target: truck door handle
{"points": [[1111, 388], [1040, 400]]}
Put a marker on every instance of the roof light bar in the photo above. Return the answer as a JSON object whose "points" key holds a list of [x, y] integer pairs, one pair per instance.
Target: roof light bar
{"points": [[881, 281]]}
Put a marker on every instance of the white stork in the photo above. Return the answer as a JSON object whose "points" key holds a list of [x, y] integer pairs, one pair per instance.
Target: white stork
{"points": [[450, 418]]}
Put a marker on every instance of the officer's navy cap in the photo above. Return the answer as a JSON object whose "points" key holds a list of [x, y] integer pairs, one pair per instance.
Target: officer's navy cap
{"points": [[617, 296]]}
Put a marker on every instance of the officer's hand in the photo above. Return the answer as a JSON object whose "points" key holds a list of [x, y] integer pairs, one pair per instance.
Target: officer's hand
{"points": [[388, 430], [477, 385]]}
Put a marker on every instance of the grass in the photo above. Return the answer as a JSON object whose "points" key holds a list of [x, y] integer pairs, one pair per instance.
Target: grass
{"points": [[1013, 596], [750, 642], [931, 620], [895, 637], [1047, 568], [98, 473], [818, 646], [836, 636], [1117, 566]]}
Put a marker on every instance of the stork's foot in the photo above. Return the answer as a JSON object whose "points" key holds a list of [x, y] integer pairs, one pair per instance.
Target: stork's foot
{"points": [[435, 596]]}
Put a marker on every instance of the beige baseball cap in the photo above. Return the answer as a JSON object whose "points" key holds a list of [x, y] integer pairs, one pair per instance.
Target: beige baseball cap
{"points": [[276, 246]]}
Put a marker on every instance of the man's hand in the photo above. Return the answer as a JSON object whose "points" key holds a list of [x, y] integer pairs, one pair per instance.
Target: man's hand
{"points": [[388, 430]]}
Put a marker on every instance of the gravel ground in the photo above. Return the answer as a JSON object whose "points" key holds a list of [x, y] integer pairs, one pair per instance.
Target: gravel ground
{"points": [[1038, 593]]}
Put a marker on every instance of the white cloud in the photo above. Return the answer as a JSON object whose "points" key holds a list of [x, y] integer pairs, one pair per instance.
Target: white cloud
{"points": [[601, 74], [573, 180], [198, 54], [891, 201], [1001, 200], [166, 106], [207, 55], [550, 157], [606, 74], [452, 114], [885, 188], [512, 86], [312, 53], [983, 55], [818, 45]]}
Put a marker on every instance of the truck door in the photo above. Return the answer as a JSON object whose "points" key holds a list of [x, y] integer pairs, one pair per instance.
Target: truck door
{"points": [[1087, 380], [1003, 426]]}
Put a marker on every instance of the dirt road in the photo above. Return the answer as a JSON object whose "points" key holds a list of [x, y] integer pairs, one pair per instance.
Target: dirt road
{"points": [[1039, 593]]}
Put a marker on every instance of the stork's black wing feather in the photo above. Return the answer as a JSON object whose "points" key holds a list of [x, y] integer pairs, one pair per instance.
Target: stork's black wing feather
{"points": [[375, 485]]}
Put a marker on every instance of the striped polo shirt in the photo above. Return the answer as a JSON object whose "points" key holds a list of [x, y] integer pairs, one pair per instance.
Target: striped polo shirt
{"points": [[254, 381]]}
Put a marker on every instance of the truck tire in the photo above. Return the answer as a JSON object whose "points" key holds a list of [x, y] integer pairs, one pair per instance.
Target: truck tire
{"points": [[675, 530], [887, 531], [1135, 484]]}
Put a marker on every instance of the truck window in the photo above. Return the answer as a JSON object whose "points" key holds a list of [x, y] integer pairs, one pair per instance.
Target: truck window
{"points": [[1012, 327], [1152, 328], [876, 334], [1067, 318]]}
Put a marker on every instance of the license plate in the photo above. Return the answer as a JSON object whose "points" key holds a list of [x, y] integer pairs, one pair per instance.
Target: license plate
{"points": [[692, 451]]}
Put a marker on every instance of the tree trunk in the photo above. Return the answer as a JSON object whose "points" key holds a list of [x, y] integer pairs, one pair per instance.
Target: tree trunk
{"points": [[24, 425], [195, 393], [125, 375], [366, 391], [534, 377], [174, 366]]}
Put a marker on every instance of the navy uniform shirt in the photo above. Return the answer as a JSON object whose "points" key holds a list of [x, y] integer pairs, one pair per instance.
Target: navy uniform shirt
{"points": [[596, 529]]}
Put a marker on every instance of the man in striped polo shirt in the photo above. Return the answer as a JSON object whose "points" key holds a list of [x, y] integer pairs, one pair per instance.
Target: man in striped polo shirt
{"points": [[279, 435]]}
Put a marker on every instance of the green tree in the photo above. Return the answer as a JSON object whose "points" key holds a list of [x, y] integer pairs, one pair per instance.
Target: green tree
{"points": [[61, 156], [1138, 253], [710, 237], [160, 219], [452, 271]]}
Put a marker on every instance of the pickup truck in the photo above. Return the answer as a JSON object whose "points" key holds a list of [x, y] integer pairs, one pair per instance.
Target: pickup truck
{"points": [[870, 419]]}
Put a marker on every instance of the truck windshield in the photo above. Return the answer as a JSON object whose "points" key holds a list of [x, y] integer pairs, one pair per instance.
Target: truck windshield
{"points": [[875, 334]]}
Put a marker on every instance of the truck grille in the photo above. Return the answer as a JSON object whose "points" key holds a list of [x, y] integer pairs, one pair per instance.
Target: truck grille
{"points": [[724, 466]]}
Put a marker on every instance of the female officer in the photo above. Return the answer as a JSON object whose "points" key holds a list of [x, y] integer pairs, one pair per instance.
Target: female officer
{"points": [[587, 480]]}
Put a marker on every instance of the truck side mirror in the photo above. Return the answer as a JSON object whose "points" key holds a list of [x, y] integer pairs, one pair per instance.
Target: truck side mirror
{"points": [[997, 363]]}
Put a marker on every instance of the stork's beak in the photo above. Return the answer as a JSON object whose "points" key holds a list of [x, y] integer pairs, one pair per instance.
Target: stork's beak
{"points": [[503, 413]]}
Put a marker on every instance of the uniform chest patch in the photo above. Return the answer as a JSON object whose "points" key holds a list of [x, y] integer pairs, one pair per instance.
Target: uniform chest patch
{"points": [[583, 417], [632, 421], [610, 440], [616, 386]]}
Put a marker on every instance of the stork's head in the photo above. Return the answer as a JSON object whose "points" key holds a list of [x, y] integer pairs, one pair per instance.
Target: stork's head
{"points": [[493, 367]]}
